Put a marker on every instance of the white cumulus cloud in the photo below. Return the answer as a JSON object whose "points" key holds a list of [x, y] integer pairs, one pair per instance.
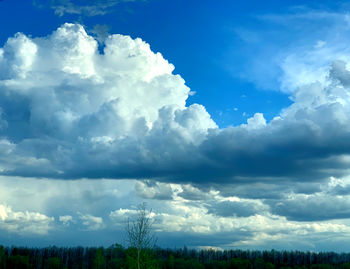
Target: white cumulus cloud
{"points": [[73, 103], [24, 222], [90, 222]]}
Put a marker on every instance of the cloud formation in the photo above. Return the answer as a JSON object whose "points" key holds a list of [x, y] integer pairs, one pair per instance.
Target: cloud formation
{"points": [[96, 212], [69, 111], [78, 7], [24, 222]]}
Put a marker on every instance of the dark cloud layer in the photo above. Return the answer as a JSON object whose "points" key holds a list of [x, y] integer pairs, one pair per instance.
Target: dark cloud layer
{"points": [[68, 111], [312, 208], [236, 208]]}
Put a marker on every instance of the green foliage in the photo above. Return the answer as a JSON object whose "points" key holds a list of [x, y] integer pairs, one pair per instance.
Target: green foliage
{"points": [[116, 263], [181, 263], [170, 262], [269, 265], [345, 265], [99, 260], [53, 263], [238, 263], [2, 258], [18, 262], [148, 259], [321, 266], [261, 264], [216, 265], [117, 256], [301, 267]]}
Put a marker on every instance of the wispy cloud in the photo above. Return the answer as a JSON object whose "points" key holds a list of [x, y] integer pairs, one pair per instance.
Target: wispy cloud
{"points": [[85, 8], [289, 43]]}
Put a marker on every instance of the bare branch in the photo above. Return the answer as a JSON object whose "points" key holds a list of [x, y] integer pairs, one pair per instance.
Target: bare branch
{"points": [[139, 231]]}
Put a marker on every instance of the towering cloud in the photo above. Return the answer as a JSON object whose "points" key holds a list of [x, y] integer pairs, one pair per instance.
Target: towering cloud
{"points": [[69, 110]]}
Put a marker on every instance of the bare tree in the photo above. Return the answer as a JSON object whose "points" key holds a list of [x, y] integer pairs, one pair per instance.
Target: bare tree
{"points": [[140, 232]]}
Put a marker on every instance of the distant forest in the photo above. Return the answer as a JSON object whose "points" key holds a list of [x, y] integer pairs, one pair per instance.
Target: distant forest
{"points": [[118, 257]]}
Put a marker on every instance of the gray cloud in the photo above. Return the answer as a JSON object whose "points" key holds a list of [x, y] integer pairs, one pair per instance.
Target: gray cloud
{"points": [[194, 194], [154, 190], [96, 211], [101, 31], [236, 208], [312, 208], [69, 111]]}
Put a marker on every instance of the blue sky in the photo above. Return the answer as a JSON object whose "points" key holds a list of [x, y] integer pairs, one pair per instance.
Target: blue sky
{"points": [[199, 39], [230, 119]]}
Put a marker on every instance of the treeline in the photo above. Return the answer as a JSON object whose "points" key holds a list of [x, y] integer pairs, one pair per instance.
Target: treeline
{"points": [[118, 257]]}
